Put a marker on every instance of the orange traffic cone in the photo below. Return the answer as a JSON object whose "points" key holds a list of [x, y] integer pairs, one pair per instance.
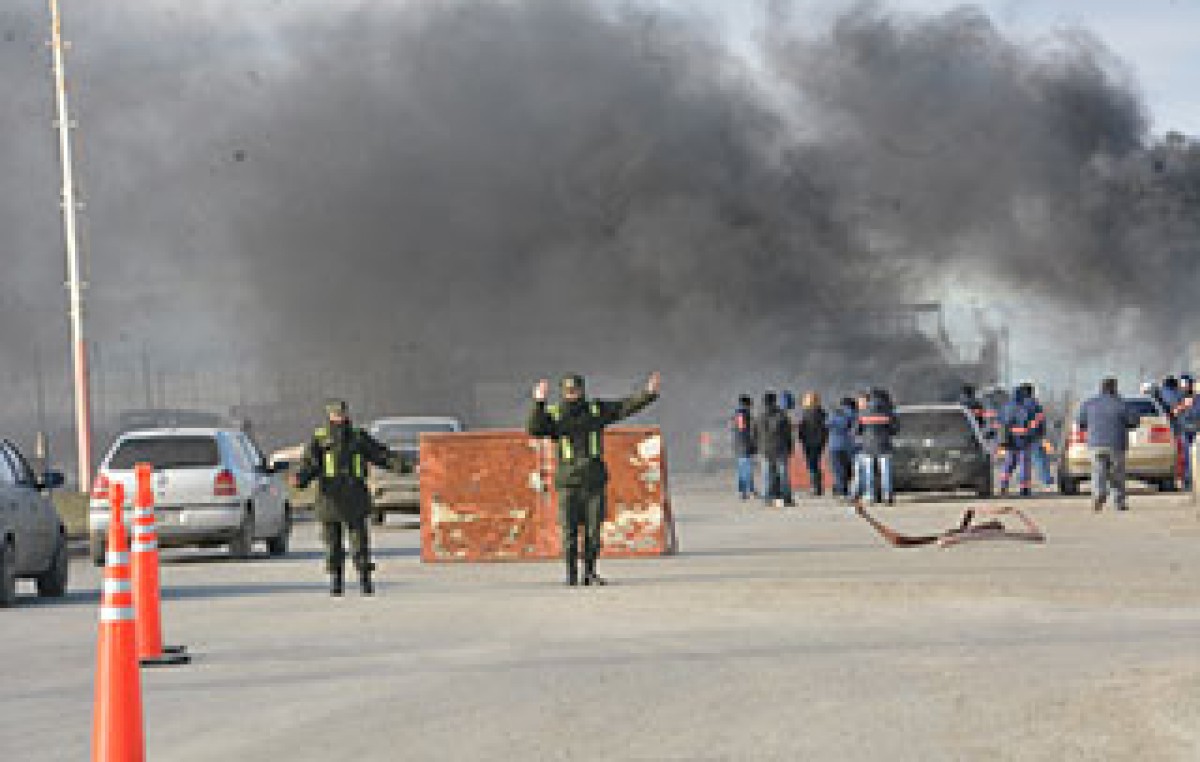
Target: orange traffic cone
{"points": [[146, 595], [117, 732]]}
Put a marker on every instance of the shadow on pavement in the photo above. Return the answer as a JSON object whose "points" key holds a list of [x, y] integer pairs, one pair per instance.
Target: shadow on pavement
{"points": [[240, 590], [89, 597], [735, 552], [376, 553]]}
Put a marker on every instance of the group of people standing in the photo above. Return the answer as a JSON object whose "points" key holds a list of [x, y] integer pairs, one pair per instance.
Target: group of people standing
{"points": [[857, 434], [1017, 425]]}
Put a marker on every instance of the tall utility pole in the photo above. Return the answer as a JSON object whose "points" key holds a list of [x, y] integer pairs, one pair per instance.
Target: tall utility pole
{"points": [[83, 411]]}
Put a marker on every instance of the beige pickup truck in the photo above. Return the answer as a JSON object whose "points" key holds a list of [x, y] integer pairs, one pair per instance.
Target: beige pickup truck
{"points": [[401, 493]]}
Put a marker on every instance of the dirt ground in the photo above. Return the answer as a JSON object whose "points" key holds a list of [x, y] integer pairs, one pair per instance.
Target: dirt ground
{"points": [[775, 634]]}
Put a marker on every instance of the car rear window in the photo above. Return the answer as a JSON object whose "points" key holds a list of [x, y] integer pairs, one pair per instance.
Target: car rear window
{"points": [[166, 452], [410, 433], [942, 426], [1142, 408]]}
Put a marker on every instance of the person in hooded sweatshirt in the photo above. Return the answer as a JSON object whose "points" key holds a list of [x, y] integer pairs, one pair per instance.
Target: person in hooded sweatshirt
{"points": [[876, 428], [775, 446], [842, 423]]}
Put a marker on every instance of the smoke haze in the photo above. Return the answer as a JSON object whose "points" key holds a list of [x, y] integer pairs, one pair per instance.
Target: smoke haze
{"points": [[506, 189]]}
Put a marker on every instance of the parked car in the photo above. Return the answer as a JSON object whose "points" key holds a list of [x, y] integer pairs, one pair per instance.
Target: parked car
{"points": [[940, 448], [33, 540], [1152, 456], [212, 487], [402, 492]]}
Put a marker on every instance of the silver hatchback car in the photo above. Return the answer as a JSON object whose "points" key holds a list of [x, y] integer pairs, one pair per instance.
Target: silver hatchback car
{"points": [[212, 487]]}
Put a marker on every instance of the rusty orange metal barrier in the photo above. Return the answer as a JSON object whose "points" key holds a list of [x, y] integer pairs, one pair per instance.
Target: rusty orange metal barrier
{"points": [[489, 496]]}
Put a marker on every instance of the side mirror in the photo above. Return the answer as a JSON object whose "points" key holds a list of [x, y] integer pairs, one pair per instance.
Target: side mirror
{"points": [[51, 480]]}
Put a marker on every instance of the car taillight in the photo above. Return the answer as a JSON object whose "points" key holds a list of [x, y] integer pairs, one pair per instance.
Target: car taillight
{"points": [[224, 485], [100, 487], [1161, 435], [1078, 437]]}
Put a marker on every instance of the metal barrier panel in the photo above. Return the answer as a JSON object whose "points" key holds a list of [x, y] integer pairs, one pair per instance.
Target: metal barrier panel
{"points": [[489, 496]]}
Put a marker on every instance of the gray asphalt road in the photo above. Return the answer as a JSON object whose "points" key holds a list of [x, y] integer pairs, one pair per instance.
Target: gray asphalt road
{"points": [[776, 634]]}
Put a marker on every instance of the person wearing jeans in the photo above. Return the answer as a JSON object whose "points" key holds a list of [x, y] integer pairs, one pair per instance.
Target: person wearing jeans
{"points": [[775, 446], [1107, 420], [745, 446], [842, 423], [1108, 476], [876, 427]]}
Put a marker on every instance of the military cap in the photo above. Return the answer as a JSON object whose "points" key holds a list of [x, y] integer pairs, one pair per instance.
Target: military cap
{"points": [[336, 407]]}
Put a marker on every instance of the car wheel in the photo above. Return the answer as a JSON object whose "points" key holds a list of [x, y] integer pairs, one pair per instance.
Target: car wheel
{"points": [[243, 542], [278, 545], [1167, 485], [8, 576], [96, 549], [1068, 486], [52, 583], [378, 518]]}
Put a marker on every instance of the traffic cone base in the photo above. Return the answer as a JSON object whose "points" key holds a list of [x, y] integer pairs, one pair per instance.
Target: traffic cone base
{"points": [[147, 588], [118, 733]]}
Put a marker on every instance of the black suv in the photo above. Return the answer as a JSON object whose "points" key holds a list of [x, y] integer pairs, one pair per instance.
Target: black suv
{"points": [[940, 448]]}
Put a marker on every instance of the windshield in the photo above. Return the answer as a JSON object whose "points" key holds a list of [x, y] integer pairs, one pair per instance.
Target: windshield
{"points": [[410, 433], [943, 427], [166, 452]]}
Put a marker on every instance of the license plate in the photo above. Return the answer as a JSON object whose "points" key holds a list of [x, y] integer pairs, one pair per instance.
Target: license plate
{"points": [[933, 468]]}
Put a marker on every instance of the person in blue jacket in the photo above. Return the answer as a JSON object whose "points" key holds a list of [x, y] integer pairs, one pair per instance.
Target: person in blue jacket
{"points": [[842, 424], [1037, 435], [1016, 437], [1107, 420], [876, 427]]}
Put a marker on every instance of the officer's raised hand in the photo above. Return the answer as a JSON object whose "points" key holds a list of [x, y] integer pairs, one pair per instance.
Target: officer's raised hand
{"points": [[541, 390], [654, 383]]}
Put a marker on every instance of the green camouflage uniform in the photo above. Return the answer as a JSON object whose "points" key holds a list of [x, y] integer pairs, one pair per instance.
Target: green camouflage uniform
{"points": [[337, 458], [581, 475]]}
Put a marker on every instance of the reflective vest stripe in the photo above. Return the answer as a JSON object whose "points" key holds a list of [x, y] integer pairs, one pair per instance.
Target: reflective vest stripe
{"points": [[330, 464], [566, 449]]}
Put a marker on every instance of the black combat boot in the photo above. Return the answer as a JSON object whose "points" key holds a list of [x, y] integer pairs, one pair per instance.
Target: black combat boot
{"points": [[590, 577], [365, 584], [572, 575], [336, 585]]}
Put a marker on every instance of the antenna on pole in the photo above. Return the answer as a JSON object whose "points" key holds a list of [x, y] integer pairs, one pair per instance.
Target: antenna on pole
{"points": [[83, 412]]}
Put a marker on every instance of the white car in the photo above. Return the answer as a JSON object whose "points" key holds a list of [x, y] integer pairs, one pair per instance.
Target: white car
{"points": [[212, 487], [402, 492]]}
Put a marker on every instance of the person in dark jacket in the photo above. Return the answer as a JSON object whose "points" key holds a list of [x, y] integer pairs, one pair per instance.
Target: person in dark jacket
{"points": [[1016, 427], [842, 424], [813, 432], [1107, 420], [876, 427], [577, 426], [336, 459], [745, 445], [970, 400], [775, 447]]}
